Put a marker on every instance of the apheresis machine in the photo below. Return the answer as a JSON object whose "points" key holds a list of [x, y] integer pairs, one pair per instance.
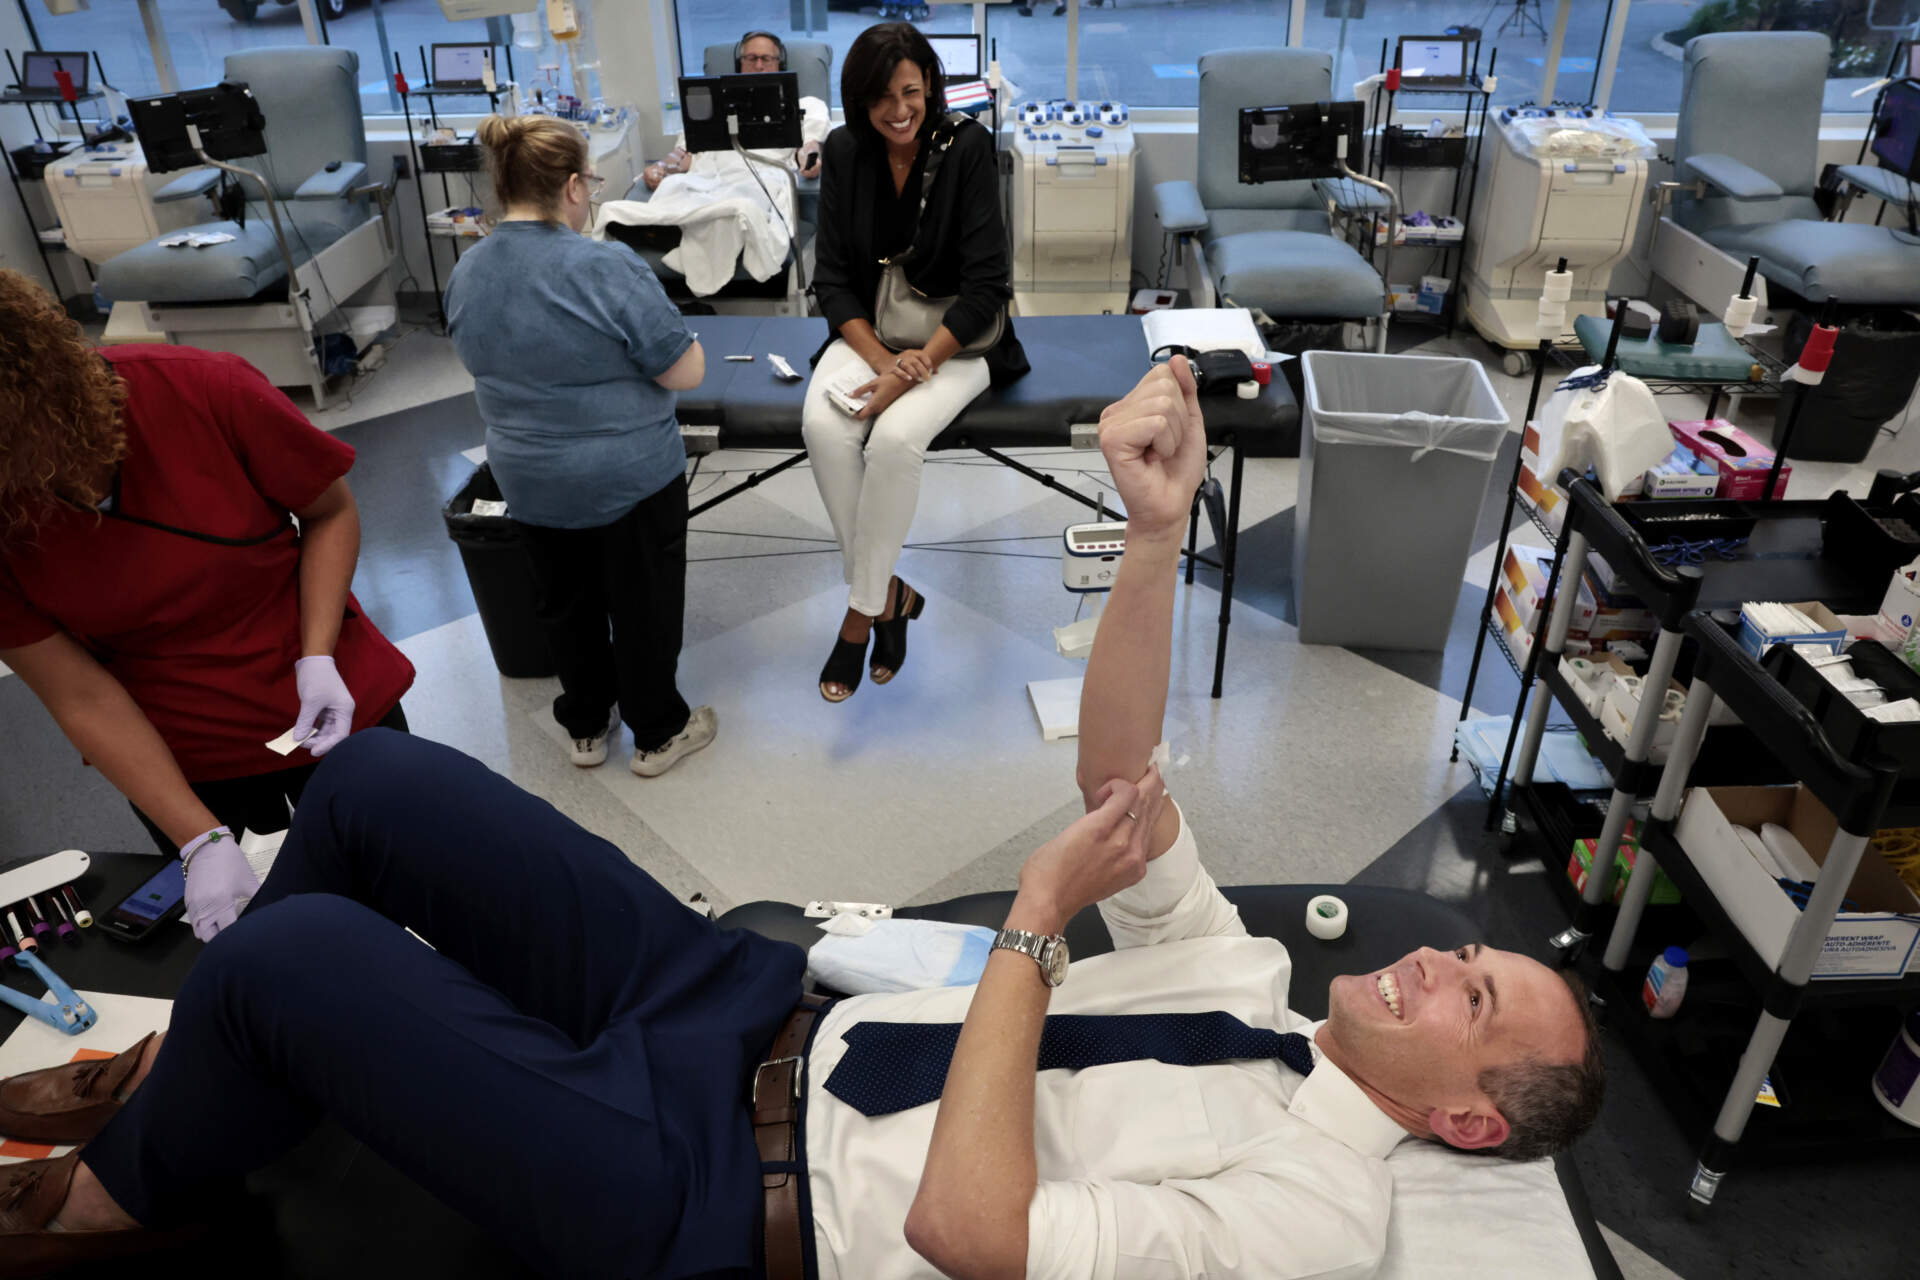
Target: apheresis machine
{"points": [[1072, 208], [1563, 183]]}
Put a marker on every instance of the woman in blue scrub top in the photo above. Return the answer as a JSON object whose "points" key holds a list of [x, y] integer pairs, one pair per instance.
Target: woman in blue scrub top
{"points": [[576, 354]]}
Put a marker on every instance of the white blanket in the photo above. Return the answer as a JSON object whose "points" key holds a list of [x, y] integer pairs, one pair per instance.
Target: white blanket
{"points": [[729, 210]]}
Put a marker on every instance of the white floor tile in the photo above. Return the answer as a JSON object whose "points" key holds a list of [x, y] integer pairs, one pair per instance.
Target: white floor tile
{"points": [[872, 799], [421, 368]]}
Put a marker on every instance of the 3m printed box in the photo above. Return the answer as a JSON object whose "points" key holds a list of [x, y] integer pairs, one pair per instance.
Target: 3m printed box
{"points": [[1877, 941]]}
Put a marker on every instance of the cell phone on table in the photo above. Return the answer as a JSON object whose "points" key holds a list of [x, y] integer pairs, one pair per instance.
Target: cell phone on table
{"points": [[142, 913]]}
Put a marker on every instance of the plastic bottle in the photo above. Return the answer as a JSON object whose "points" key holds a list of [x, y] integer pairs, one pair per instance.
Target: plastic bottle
{"points": [[1666, 983]]}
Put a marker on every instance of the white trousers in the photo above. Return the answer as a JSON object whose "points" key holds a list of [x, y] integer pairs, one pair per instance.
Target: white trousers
{"points": [[869, 471]]}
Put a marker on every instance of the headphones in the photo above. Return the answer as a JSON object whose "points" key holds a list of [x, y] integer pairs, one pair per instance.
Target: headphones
{"points": [[740, 45]]}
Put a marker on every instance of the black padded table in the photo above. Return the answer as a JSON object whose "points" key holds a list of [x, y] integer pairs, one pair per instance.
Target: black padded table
{"points": [[332, 1208], [1081, 364]]}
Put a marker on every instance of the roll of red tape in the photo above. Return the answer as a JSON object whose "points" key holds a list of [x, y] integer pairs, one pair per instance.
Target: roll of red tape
{"points": [[1393, 79], [1818, 353], [1262, 372]]}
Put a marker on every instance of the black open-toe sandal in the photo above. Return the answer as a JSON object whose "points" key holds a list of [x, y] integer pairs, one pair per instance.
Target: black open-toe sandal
{"points": [[890, 637], [844, 665]]}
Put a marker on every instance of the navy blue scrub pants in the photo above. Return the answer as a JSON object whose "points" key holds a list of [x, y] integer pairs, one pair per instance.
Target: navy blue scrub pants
{"points": [[568, 1065]]}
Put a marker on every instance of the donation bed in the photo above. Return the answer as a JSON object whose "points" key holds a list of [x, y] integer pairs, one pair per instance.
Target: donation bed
{"points": [[1081, 364], [331, 1208]]}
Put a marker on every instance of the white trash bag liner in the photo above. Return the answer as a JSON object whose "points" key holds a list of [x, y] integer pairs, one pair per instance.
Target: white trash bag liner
{"points": [[1426, 403], [1611, 424]]}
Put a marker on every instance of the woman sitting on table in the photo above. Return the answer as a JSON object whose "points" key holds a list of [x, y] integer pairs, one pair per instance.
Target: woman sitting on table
{"points": [[868, 463], [156, 596], [576, 354]]}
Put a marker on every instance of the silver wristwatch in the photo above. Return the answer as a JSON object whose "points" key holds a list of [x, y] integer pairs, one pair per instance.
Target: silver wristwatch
{"points": [[1050, 953]]}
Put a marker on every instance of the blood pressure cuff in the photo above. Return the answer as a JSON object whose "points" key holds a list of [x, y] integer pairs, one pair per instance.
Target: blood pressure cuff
{"points": [[1217, 373]]}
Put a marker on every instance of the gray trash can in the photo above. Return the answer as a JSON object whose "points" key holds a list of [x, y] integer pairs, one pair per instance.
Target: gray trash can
{"points": [[1395, 456]]}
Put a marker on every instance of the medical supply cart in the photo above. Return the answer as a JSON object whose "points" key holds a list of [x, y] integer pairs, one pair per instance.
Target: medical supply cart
{"points": [[463, 158], [28, 165], [1391, 146], [1838, 550]]}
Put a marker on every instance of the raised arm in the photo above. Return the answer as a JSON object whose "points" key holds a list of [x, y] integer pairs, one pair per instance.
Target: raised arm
{"points": [[1155, 444]]}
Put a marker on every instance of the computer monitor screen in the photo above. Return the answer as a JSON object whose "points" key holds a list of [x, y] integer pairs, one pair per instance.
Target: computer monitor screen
{"points": [[765, 108], [1896, 138], [1288, 144], [227, 117], [1913, 60], [1431, 58], [959, 56], [37, 71], [461, 66]]}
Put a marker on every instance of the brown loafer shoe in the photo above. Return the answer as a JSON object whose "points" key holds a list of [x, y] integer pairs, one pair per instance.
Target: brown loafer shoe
{"points": [[66, 1104], [31, 1193]]}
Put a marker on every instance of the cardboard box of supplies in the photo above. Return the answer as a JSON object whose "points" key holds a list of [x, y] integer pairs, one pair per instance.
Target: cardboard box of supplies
{"points": [[1831, 632], [1665, 891], [1879, 940]]}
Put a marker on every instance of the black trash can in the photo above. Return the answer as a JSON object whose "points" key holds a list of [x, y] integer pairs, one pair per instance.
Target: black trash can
{"points": [[501, 574], [1876, 364]]}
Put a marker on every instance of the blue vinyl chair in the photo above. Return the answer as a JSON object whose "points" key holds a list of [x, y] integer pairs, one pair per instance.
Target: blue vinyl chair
{"points": [[1268, 245], [1748, 141]]}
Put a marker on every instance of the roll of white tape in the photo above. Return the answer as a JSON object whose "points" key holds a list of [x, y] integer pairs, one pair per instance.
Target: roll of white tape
{"points": [[1559, 287], [1326, 917], [1551, 320], [1739, 314]]}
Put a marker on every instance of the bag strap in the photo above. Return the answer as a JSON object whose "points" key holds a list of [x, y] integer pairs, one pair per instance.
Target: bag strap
{"points": [[941, 138]]}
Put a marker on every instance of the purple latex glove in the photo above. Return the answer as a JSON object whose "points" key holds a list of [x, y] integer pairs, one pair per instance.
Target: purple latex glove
{"points": [[220, 884], [326, 708]]}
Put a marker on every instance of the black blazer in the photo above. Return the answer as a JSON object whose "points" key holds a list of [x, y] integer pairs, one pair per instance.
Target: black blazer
{"points": [[961, 251]]}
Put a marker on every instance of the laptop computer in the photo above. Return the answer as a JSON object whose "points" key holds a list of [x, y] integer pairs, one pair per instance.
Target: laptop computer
{"points": [[462, 66], [37, 68], [1432, 62], [959, 56]]}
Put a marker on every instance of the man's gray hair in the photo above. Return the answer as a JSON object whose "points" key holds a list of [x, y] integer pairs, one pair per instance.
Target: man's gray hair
{"points": [[1549, 1104]]}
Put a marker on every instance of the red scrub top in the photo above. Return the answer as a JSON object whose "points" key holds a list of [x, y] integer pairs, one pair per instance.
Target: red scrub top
{"points": [[203, 634]]}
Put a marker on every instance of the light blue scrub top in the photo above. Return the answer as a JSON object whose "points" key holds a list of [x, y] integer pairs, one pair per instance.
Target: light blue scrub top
{"points": [[564, 337]]}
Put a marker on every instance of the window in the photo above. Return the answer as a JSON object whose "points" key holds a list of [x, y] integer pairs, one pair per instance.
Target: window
{"points": [[1517, 29], [1863, 33], [1147, 53], [702, 23], [1033, 50], [381, 30]]}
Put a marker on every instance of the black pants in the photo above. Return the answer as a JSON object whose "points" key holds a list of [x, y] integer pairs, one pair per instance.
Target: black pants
{"points": [[632, 573], [257, 803]]}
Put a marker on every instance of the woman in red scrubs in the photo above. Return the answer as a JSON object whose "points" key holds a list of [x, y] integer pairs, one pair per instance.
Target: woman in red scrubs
{"points": [[156, 596]]}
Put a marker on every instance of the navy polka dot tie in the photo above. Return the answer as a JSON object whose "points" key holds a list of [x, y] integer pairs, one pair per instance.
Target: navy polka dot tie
{"points": [[892, 1066]]}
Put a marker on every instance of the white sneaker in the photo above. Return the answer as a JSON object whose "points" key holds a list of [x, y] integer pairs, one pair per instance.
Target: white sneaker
{"points": [[588, 752], [701, 726]]}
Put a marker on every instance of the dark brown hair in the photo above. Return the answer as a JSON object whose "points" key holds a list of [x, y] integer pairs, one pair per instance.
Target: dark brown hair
{"points": [[1549, 1104], [60, 407], [869, 67], [531, 158]]}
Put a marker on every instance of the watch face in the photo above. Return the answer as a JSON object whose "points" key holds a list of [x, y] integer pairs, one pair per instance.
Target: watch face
{"points": [[1057, 962]]}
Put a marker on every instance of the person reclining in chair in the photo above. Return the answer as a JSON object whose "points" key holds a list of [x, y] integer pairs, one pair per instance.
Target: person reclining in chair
{"points": [[596, 1073], [716, 210]]}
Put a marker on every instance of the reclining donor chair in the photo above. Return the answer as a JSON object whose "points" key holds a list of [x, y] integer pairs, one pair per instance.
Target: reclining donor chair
{"points": [[1746, 161], [311, 240], [1268, 246]]}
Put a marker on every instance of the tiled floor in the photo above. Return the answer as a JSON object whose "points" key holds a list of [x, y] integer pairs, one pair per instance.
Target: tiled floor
{"points": [[1320, 764]]}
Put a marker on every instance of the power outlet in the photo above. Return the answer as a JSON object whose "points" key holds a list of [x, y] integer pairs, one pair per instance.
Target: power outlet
{"points": [[402, 169]]}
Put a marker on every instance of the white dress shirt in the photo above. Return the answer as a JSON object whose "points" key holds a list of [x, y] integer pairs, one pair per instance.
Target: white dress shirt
{"points": [[1147, 1170]]}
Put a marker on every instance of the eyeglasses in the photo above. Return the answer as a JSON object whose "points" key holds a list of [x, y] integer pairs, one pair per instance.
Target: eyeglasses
{"points": [[595, 184], [760, 60]]}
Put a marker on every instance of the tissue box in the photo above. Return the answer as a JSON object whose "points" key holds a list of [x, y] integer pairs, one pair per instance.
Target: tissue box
{"points": [[1878, 941], [1665, 892], [1831, 635], [1741, 461]]}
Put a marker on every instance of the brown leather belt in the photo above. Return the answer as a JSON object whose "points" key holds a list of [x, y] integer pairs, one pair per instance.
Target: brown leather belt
{"points": [[779, 1086]]}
